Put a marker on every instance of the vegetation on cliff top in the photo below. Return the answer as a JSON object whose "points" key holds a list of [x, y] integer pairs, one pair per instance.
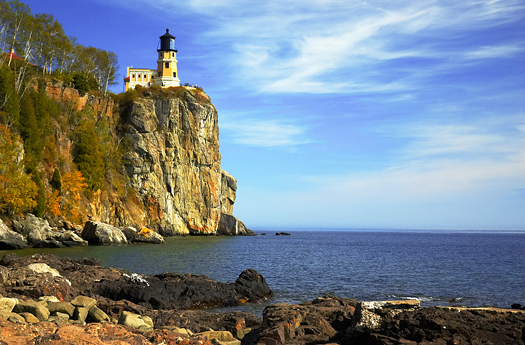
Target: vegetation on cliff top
{"points": [[43, 45]]}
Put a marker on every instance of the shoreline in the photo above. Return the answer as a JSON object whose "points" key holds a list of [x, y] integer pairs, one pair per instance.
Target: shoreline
{"points": [[79, 293]]}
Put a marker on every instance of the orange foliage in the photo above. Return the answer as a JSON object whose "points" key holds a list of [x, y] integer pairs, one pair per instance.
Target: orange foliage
{"points": [[18, 192], [145, 231], [53, 203], [73, 184]]}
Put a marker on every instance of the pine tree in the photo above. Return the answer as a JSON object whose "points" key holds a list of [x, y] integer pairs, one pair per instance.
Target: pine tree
{"points": [[88, 156]]}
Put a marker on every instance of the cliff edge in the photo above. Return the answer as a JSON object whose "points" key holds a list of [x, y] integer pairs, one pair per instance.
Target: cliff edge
{"points": [[173, 163]]}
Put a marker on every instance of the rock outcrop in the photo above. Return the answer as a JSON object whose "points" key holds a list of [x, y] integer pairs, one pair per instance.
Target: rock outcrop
{"points": [[174, 164], [40, 234], [161, 291], [10, 239]]}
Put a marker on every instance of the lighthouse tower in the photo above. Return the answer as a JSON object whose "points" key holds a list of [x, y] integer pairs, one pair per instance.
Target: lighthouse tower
{"points": [[167, 62]]}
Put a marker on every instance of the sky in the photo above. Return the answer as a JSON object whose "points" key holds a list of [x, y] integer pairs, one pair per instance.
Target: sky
{"points": [[345, 114]]}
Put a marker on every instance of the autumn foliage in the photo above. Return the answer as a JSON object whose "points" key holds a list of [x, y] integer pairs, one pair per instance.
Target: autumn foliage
{"points": [[18, 193]]}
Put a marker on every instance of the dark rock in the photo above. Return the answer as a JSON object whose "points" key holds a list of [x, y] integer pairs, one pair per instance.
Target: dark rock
{"points": [[282, 234], [446, 326], [162, 291], [231, 226], [252, 285], [294, 324], [516, 306], [263, 234]]}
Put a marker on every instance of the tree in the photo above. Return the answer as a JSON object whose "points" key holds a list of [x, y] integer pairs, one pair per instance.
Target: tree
{"points": [[73, 184], [88, 156], [18, 193], [56, 180], [9, 106]]}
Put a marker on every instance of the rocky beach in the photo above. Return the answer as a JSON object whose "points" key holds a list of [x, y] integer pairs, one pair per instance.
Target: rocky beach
{"points": [[48, 299]]}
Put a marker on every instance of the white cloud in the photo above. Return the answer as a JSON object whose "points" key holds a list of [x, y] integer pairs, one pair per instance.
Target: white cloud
{"points": [[439, 161], [319, 46], [490, 52], [263, 133]]}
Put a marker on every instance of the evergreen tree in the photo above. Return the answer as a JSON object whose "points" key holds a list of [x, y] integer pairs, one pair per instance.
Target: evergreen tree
{"points": [[88, 156], [56, 180]]}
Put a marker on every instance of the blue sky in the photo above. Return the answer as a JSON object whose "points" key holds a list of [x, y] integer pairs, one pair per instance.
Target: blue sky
{"points": [[350, 114]]}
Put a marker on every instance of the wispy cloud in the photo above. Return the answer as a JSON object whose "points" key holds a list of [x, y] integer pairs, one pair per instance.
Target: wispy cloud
{"points": [[320, 46], [440, 161], [263, 133]]}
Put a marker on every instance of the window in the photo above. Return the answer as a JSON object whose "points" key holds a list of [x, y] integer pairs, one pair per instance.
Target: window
{"points": [[145, 76], [166, 65], [172, 54], [174, 74], [133, 76]]}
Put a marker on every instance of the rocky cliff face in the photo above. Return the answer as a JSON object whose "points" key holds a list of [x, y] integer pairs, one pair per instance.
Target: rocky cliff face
{"points": [[171, 163]]}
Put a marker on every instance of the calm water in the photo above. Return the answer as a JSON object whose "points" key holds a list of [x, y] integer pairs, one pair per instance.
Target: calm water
{"points": [[467, 268]]}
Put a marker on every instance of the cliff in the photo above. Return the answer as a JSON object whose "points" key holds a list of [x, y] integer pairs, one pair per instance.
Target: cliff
{"points": [[173, 162], [159, 164]]}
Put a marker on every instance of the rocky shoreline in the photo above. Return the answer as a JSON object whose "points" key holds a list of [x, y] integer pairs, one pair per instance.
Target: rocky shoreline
{"points": [[35, 232], [48, 299]]}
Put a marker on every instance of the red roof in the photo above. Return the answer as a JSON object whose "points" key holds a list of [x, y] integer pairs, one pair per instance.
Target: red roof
{"points": [[13, 56], [127, 78]]}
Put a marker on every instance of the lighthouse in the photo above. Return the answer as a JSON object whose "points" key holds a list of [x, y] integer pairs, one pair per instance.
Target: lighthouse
{"points": [[167, 62]]}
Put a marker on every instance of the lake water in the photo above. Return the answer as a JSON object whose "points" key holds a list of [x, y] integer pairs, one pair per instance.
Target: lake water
{"points": [[438, 268]]}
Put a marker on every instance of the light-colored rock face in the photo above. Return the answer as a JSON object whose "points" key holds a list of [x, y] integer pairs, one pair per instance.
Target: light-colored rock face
{"points": [[43, 268], [105, 234], [228, 192], [173, 162]]}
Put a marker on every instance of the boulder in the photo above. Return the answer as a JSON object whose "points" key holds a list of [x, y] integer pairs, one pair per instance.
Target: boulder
{"points": [[38, 309], [219, 335], [83, 301], [253, 285], [101, 233], [7, 304], [12, 317], [43, 268], [231, 226], [95, 314], [23, 281], [32, 227], [29, 318], [49, 299], [71, 239], [10, 239], [145, 235], [61, 307], [135, 321], [130, 233]]}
